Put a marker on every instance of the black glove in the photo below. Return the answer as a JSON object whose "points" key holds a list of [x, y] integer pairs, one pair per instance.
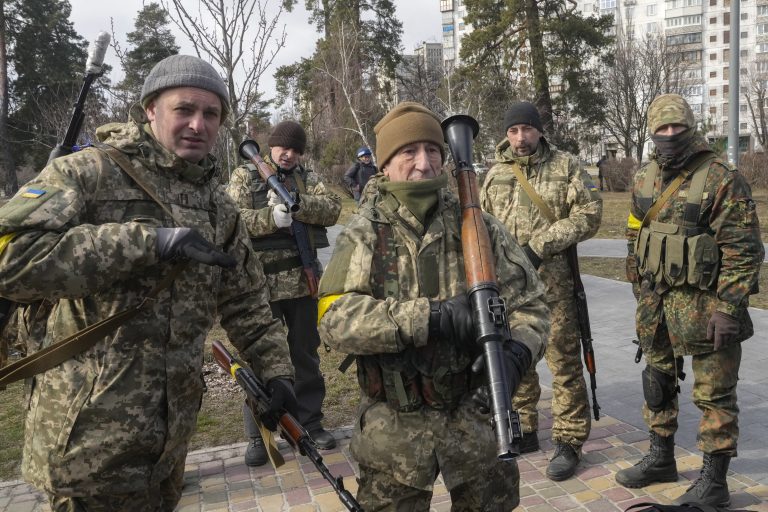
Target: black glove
{"points": [[723, 329], [532, 256], [187, 243], [451, 321], [517, 360], [281, 399]]}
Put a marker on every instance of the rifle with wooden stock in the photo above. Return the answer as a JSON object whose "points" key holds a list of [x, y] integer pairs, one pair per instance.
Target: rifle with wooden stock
{"points": [[585, 331], [289, 427], [489, 312], [249, 150]]}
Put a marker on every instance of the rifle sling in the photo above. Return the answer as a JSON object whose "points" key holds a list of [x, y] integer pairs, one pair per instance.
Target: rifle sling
{"points": [[60, 351]]}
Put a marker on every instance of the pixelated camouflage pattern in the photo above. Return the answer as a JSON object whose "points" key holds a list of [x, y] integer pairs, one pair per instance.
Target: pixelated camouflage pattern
{"points": [[319, 206], [715, 376], [570, 406], [117, 418], [669, 109], [728, 213], [573, 198], [464, 454], [359, 323]]}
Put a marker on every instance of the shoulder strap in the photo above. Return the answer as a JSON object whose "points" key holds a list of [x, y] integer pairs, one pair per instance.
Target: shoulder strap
{"points": [[119, 158], [532, 195], [58, 352]]}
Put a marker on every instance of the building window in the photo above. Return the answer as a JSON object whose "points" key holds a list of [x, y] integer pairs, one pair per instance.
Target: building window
{"points": [[713, 74], [725, 90], [727, 18], [744, 16], [651, 28], [712, 56], [726, 72], [713, 92], [674, 4], [742, 126], [695, 107], [761, 66], [650, 10], [761, 48], [607, 4], [744, 35], [762, 10], [744, 53], [725, 109], [712, 2], [726, 54], [691, 56], [694, 90], [690, 38], [726, 36], [712, 21], [713, 39], [446, 5], [713, 110], [682, 21], [742, 108]]}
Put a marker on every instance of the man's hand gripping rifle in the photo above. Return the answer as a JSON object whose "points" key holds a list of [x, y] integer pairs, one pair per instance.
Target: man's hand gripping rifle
{"points": [[488, 309], [289, 427], [249, 150]]}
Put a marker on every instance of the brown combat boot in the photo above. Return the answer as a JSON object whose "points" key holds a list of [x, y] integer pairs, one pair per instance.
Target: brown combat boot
{"points": [[658, 465]]}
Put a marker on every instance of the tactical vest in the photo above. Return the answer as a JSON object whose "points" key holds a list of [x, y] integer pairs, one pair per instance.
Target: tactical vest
{"points": [[682, 252], [437, 375], [282, 239]]}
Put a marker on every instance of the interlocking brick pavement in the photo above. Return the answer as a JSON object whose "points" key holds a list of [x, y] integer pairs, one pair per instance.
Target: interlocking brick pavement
{"points": [[216, 479]]}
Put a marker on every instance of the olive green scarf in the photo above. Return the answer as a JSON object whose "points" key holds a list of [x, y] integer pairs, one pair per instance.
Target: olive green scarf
{"points": [[420, 197]]}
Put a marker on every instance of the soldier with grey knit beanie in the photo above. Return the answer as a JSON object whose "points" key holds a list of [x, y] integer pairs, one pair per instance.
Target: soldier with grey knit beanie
{"points": [[138, 219], [564, 186], [269, 223]]}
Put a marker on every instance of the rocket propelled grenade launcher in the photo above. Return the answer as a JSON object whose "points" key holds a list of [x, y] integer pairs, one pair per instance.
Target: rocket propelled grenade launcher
{"points": [[249, 150]]}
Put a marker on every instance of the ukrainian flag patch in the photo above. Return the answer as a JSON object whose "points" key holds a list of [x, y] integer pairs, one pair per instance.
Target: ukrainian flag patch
{"points": [[33, 193], [591, 186]]}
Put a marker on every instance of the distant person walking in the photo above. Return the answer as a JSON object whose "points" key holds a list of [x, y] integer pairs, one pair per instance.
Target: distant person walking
{"points": [[694, 257], [361, 171]]}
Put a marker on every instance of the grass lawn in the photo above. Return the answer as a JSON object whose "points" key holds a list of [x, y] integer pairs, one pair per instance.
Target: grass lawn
{"points": [[220, 419]]}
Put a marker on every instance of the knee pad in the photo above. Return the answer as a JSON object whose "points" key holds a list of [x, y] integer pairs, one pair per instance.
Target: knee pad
{"points": [[659, 389]]}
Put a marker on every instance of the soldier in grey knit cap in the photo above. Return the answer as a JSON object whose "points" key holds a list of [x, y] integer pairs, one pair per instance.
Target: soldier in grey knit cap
{"points": [[109, 428]]}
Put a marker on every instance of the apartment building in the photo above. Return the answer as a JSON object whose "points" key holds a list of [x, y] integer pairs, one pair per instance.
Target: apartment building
{"points": [[701, 29], [454, 29]]}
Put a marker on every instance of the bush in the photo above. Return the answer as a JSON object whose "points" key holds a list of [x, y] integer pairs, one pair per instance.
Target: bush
{"points": [[617, 174], [753, 166]]}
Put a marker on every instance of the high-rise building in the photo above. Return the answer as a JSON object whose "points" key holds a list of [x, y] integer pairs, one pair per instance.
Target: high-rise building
{"points": [[454, 29]]}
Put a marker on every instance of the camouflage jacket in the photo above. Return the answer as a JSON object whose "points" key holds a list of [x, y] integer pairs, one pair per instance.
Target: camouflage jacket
{"points": [[728, 214], [118, 417], [355, 322], [319, 208], [570, 194]]}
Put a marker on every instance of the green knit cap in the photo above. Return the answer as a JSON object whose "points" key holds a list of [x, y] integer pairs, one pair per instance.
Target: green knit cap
{"points": [[405, 124]]}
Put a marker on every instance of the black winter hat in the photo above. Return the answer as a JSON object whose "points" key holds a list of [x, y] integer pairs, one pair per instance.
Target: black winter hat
{"points": [[288, 134], [522, 112]]}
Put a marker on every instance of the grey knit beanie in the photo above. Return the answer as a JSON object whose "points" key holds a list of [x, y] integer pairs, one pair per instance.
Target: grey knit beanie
{"points": [[522, 112], [184, 71]]}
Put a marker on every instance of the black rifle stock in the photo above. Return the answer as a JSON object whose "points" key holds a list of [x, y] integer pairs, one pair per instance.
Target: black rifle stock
{"points": [[289, 427], [249, 150], [585, 331], [93, 70], [488, 308]]}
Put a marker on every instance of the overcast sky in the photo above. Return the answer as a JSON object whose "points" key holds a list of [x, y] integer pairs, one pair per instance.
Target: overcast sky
{"points": [[421, 22]]}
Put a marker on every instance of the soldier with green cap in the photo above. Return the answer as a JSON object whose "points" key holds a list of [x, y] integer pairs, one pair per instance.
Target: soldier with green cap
{"points": [[138, 219], [394, 296], [269, 224], [572, 199], [694, 256]]}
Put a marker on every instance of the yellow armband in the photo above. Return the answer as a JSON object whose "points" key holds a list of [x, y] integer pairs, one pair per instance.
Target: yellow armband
{"points": [[633, 222], [5, 240], [325, 303]]}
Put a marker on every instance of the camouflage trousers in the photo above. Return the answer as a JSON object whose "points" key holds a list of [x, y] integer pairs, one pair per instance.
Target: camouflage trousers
{"points": [[162, 498], [715, 375], [570, 402], [401, 454]]}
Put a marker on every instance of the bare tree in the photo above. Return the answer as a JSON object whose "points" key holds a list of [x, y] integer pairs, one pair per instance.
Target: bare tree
{"points": [[756, 95], [241, 37], [640, 71]]}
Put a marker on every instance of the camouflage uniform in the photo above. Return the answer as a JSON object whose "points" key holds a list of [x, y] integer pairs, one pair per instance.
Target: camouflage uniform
{"points": [[276, 248], [364, 311], [569, 192], [672, 320], [112, 425]]}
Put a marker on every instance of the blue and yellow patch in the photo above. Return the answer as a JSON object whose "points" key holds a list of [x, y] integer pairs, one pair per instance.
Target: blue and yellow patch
{"points": [[33, 193], [591, 186]]}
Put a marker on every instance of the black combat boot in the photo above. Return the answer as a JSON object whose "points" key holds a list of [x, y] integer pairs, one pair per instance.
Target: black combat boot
{"points": [[657, 466], [564, 462], [256, 453], [711, 488], [529, 443]]}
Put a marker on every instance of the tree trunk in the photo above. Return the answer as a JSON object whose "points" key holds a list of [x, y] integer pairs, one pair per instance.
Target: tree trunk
{"points": [[10, 183], [539, 60]]}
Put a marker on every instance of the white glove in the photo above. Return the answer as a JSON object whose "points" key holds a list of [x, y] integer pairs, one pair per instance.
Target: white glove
{"points": [[281, 216], [272, 198]]}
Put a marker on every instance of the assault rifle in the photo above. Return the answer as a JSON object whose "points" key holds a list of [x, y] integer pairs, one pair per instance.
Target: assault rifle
{"points": [[93, 70], [585, 331], [249, 150], [289, 427], [488, 309]]}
